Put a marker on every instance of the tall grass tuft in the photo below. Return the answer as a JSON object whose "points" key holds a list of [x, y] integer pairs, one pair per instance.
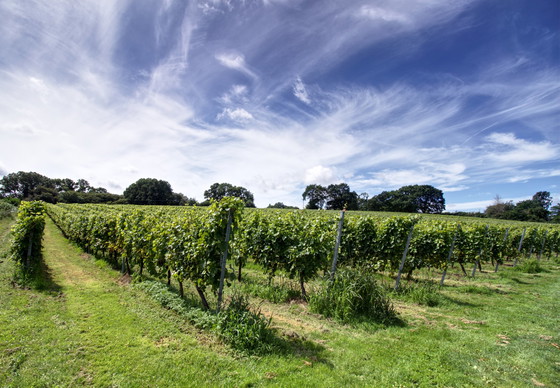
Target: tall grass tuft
{"points": [[353, 295], [529, 266], [420, 293], [243, 328], [275, 293]]}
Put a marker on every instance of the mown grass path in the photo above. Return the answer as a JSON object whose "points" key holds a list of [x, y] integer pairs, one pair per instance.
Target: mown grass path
{"points": [[85, 328]]}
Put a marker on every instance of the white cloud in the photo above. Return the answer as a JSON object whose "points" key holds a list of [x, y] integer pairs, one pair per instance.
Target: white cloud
{"points": [[236, 94], [235, 61], [319, 175], [237, 114], [300, 91], [386, 15], [507, 148], [232, 60]]}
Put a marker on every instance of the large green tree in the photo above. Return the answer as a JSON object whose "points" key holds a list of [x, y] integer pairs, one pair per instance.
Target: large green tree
{"points": [[217, 191], [543, 199], [150, 191], [23, 184], [34, 186], [333, 197], [409, 199], [315, 195], [339, 196]]}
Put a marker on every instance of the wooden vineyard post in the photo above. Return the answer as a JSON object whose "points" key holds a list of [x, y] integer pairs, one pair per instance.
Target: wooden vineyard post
{"points": [[542, 245], [504, 243], [337, 245], [449, 255], [223, 262], [480, 252], [520, 246], [404, 257]]}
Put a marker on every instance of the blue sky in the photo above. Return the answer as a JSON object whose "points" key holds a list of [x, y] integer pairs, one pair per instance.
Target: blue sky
{"points": [[274, 95]]}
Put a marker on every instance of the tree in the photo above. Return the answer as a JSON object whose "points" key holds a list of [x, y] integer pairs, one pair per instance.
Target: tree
{"points": [[90, 197], [340, 197], [409, 199], [528, 210], [535, 209], [220, 190], [316, 195], [362, 201], [22, 184], [46, 194], [149, 191], [64, 185], [384, 201], [543, 199], [555, 213], [427, 198], [83, 186], [499, 209]]}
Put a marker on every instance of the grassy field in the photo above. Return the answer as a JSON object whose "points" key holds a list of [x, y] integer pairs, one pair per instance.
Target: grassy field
{"points": [[84, 326]]}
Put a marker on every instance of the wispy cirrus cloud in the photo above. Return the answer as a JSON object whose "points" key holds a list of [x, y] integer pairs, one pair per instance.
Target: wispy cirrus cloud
{"points": [[235, 61], [300, 91]]}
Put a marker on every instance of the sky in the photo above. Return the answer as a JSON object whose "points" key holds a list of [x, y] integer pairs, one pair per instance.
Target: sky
{"points": [[274, 95]]}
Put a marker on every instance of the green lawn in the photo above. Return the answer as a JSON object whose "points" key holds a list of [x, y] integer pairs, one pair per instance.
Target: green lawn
{"points": [[85, 327]]}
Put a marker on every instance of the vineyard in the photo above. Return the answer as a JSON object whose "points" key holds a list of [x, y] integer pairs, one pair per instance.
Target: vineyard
{"points": [[189, 243], [308, 298]]}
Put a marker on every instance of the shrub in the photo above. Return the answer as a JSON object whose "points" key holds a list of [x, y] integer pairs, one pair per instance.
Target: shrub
{"points": [[243, 328], [353, 295], [7, 210]]}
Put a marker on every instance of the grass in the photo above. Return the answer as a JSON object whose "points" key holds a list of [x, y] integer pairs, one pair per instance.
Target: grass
{"points": [[86, 327], [423, 293]]}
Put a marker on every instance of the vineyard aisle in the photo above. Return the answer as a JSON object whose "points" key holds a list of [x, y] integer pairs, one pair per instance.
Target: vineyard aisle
{"points": [[90, 330]]}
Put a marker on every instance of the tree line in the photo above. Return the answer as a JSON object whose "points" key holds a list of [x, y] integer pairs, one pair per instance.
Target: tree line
{"points": [[537, 209], [407, 199], [30, 186]]}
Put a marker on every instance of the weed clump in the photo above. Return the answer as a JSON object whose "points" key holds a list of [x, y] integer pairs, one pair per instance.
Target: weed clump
{"points": [[529, 266], [472, 289], [420, 293], [243, 328], [353, 295], [272, 292]]}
